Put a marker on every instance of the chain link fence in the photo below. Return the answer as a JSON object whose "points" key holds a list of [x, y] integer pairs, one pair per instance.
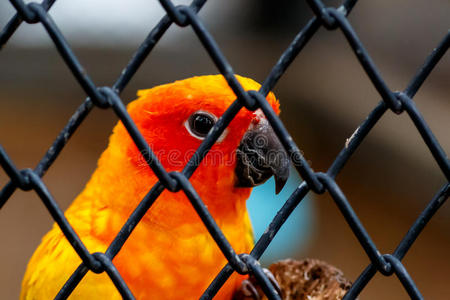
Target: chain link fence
{"points": [[317, 182]]}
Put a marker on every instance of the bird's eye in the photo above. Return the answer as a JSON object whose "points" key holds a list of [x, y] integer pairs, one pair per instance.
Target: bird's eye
{"points": [[200, 123]]}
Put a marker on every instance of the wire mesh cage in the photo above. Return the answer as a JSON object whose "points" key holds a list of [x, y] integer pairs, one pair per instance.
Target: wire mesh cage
{"points": [[108, 97]]}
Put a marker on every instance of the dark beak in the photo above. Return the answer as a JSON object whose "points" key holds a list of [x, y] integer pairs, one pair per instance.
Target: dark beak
{"points": [[259, 156]]}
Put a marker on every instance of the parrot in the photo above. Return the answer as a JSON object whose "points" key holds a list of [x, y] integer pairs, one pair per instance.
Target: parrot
{"points": [[170, 254]]}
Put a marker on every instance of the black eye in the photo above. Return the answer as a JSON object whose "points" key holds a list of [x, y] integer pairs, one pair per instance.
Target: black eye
{"points": [[200, 123]]}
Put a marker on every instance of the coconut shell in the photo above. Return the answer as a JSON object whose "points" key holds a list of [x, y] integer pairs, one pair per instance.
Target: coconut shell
{"points": [[308, 279]]}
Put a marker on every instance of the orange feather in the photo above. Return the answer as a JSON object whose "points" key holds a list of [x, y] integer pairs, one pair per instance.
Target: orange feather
{"points": [[170, 254]]}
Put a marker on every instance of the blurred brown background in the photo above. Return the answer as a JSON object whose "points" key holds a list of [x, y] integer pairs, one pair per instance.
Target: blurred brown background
{"points": [[325, 95]]}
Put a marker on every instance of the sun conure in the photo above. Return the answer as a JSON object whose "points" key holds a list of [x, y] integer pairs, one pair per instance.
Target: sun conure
{"points": [[170, 254]]}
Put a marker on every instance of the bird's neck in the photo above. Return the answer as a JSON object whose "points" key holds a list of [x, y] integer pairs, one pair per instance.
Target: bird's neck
{"points": [[117, 186]]}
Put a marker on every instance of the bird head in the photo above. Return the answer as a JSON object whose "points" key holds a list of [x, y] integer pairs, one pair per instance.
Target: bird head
{"points": [[175, 119]]}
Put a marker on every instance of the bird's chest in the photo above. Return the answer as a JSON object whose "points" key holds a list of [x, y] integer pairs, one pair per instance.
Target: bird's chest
{"points": [[173, 264]]}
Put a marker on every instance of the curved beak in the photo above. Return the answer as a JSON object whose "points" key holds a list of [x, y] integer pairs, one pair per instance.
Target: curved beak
{"points": [[261, 155]]}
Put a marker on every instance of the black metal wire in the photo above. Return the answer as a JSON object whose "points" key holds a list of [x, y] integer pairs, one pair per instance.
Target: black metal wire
{"points": [[15, 22], [108, 97]]}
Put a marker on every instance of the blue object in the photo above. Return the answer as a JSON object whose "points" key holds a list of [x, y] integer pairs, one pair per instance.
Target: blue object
{"points": [[293, 236]]}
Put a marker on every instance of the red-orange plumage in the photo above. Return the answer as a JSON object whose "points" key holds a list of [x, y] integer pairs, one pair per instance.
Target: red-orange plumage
{"points": [[170, 254]]}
